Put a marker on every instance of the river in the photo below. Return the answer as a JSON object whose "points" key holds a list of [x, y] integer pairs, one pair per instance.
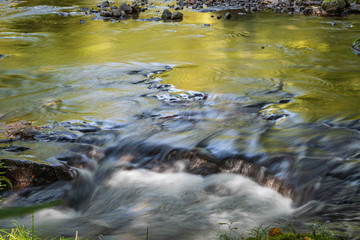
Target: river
{"points": [[278, 91]]}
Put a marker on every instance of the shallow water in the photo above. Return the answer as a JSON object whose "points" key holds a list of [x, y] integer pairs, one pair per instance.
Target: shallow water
{"points": [[281, 91]]}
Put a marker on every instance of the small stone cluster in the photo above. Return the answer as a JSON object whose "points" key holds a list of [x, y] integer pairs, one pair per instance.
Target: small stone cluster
{"points": [[108, 10]]}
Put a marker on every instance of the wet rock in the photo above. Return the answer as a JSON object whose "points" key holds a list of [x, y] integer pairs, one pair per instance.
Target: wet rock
{"points": [[126, 8], [334, 7], [113, 7], [20, 130], [78, 160], [355, 8], [84, 9], [3, 56], [219, 16], [82, 21], [98, 138], [104, 4], [84, 128], [274, 117], [227, 16], [177, 15], [355, 46], [56, 136], [116, 13], [14, 148], [24, 174], [166, 14], [105, 14], [135, 7]]}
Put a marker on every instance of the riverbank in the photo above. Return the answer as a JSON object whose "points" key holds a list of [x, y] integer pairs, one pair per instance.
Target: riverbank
{"points": [[316, 231], [307, 7]]}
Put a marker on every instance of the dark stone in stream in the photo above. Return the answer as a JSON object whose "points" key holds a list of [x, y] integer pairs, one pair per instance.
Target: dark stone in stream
{"points": [[126, 8], [99, 138], [84, 128], [56, 136], [105, 14], [177, 15], [14, 148], [104, 4], [334, 7], [162, 158], [117, 13], [219, 16], [35, 195], [3, 56], [166, 14], [227, 16], [24, 174], [284, 101], [82, 21], [274, 117]]}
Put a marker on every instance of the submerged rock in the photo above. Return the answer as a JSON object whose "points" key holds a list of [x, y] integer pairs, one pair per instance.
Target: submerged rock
{"points": [[355, 46]]}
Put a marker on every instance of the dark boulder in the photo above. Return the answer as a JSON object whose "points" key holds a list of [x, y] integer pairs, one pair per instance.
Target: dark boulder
{"points": [[24, 174], [227, 16], [126, 8], [116, 13], [166, 14], [334, 7], [105, 14], [104, 4], [177, 15]]}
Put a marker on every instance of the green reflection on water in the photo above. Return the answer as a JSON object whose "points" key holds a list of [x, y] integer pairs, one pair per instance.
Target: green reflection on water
{"points": [[50, 57]]}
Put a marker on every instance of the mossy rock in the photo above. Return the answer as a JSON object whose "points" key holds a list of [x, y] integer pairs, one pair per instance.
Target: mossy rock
{"points": [[355, 46], [334, 7]]}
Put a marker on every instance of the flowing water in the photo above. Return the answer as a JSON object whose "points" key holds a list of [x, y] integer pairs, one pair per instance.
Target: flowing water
{"points": [[280, 92]]}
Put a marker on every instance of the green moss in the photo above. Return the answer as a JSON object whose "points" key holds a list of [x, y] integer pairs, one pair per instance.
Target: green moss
{"points": [[333, 1]]}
